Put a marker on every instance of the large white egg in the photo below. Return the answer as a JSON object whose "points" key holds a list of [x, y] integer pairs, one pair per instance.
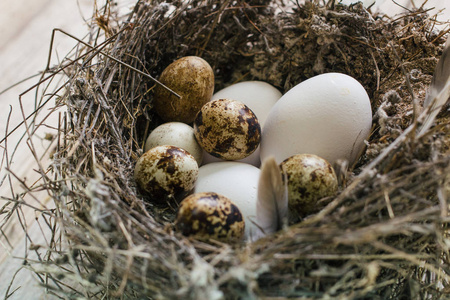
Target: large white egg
{"points": [[328, 115], [235, 180], [260, 97]]}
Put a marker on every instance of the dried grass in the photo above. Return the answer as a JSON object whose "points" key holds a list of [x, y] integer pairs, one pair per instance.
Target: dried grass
{"points": [[384, 236]]}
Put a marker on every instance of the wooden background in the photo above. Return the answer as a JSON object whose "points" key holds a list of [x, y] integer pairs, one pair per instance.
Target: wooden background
{"points": [[25, 30]]}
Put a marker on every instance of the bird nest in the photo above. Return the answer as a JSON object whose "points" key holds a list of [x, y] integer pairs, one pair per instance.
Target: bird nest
{"points": [[382, 236]]}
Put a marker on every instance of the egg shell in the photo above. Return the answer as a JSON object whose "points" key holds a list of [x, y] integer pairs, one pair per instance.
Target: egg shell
{"points": [[166, 171], [253, 159], [236, 181], [227, 129], [310, 178], [210, 216], [175, 134], [192, 78], [260, 97], [328, 115]]}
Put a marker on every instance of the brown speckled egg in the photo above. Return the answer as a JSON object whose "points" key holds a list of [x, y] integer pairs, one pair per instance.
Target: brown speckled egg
{"points": [[166, 171], [310, 178], [193, 79], [210, 215], [227, 129]]}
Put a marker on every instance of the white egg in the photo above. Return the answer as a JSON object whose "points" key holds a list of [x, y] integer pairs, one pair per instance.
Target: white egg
{"points": [[328, 115], [236, 181], [175, 134], [260, 97]]}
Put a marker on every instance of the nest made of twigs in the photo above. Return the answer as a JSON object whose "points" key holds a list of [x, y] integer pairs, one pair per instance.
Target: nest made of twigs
{"points": [[382, 236]]}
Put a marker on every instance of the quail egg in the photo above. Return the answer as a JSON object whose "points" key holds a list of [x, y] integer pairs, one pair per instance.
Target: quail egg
{"points": [[260, 97], [166, 171], [210, 216], [227, 129], [309, 178], [192, 78]]}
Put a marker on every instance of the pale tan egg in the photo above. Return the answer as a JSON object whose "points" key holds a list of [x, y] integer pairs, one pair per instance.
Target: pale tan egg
{"points": [[210, 216], [227, 129], [192, 78], [310, 178], [175, 134], [166, 171]]}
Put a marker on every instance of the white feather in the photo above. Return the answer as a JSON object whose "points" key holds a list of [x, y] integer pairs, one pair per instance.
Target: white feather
{"points": [[272, 203], [439, 91]]}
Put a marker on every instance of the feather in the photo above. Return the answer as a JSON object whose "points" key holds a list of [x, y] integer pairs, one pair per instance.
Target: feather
{"points": [[439, 91], [272, 203]]}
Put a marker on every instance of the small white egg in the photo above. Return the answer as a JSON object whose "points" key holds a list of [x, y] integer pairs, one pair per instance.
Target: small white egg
{"points": [[236, 181], [175, 134], [166, 171], [328, 115], [260, 97]]}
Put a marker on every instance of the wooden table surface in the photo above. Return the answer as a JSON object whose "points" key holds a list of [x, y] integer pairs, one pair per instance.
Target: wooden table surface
{"points": [[25, 30]]}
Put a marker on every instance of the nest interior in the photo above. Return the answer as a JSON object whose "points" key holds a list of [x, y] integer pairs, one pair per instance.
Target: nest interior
{"points": [[382, 236]]}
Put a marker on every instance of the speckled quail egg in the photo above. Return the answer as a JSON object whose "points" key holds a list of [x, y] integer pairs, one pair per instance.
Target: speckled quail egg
{"points": [[260, 97], [166, 171], [227, 129], [309, 178], [210, 216], [175, 134], [192, 78]]}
